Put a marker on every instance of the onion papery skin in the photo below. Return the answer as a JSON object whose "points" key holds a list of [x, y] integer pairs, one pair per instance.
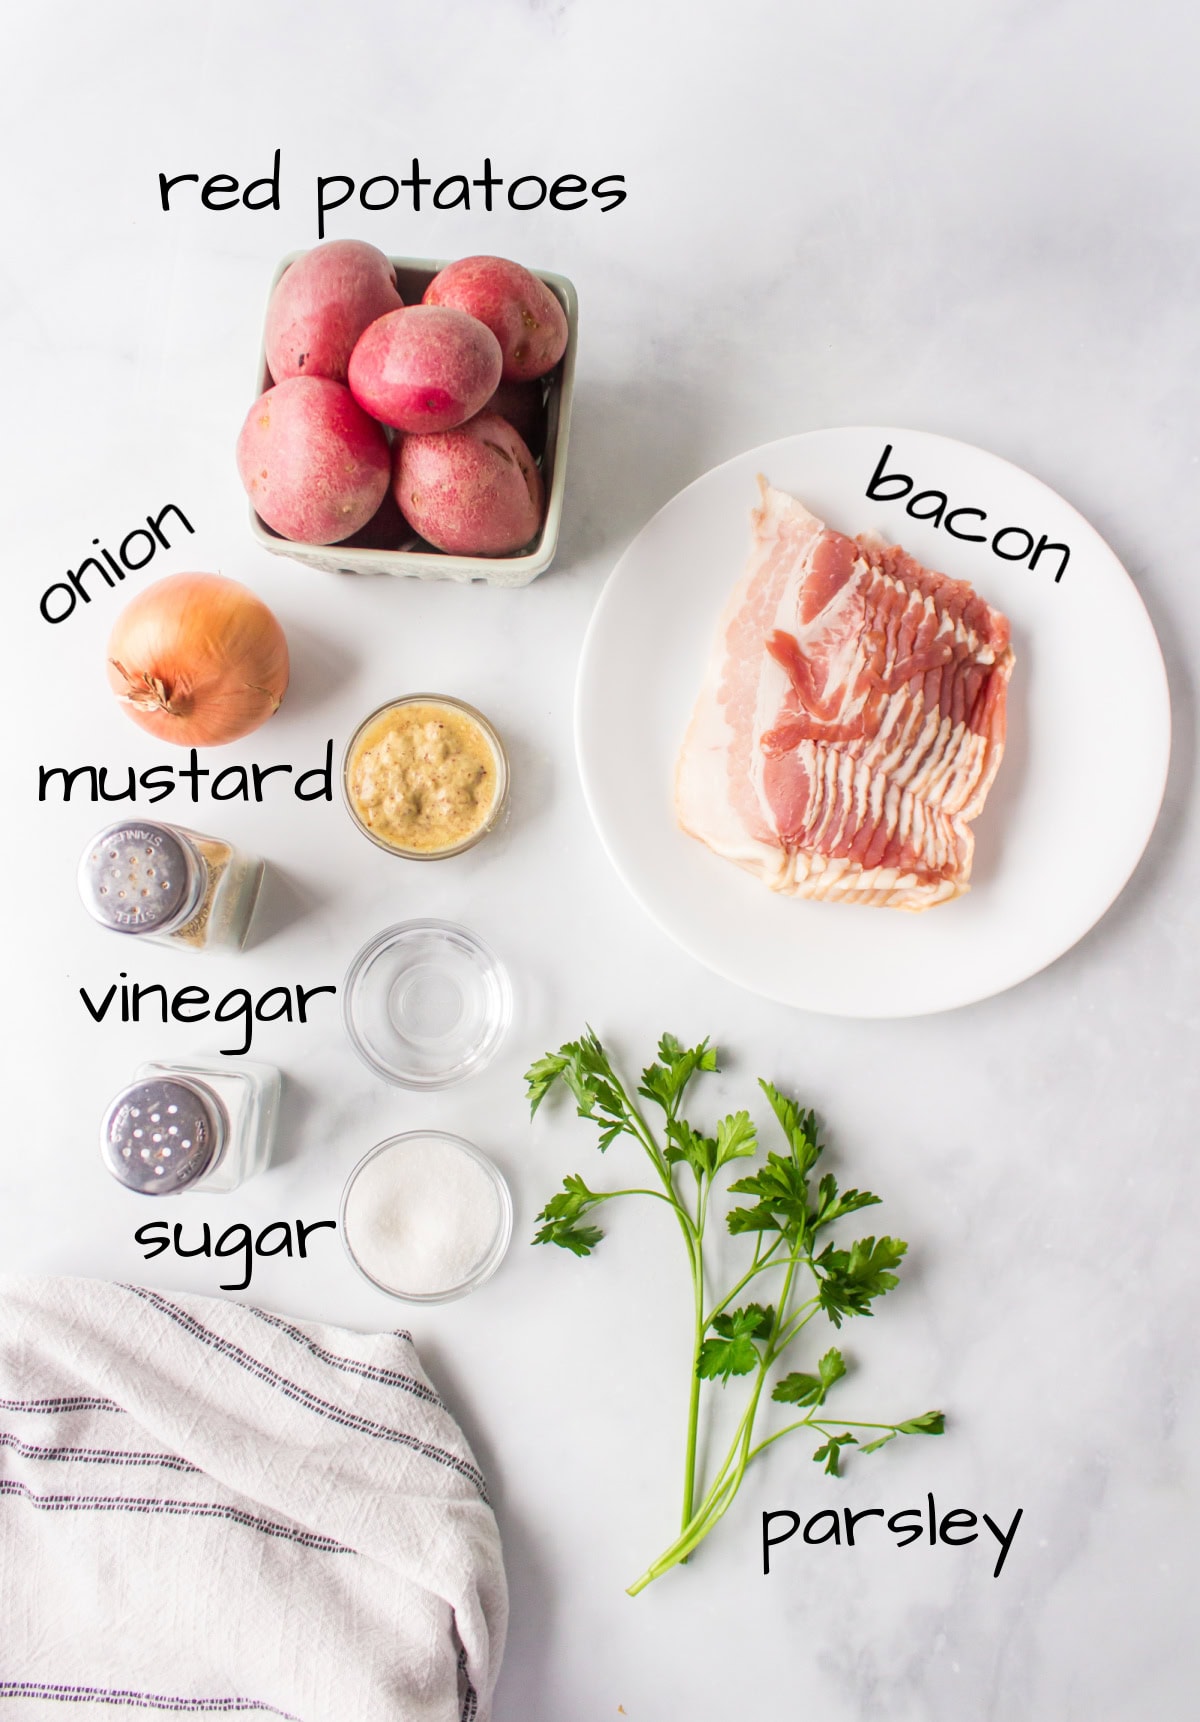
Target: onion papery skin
{"points": [[198, 660]]}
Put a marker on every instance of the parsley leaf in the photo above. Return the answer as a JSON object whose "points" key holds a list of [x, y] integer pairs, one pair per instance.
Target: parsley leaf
{"points": [[572, 1200], [831, 1206], [664, 1083], [734, 1351], [782, 1205], [757, 1219], [801, 1389], [736, 1138], [851, 1279], [831, 1452], [686, 1144], [541, 1076], [799, 1127], [562, 1213], [928, 1423], [584, 1067], [580, 1240]]}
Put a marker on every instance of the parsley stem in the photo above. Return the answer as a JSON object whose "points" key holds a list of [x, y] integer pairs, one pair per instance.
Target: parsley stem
{"points": [[643, 1134], [642, 1131], [756, 1267], [693, 1237], [850, 1423], [693, 1423], [796, 1321], [724, 1485], [606, 1195], [745, 1429], [803, 1423], [770, 1352], [715, 1504], [699, 1328], [822, 1426]]}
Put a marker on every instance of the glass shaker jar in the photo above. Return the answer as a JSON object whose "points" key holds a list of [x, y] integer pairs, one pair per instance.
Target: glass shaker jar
{"points": [[198, 1126], [170, 885]]}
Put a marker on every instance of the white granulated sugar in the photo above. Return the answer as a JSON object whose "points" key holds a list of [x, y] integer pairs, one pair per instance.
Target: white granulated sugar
{"points": [[421, 1216]]}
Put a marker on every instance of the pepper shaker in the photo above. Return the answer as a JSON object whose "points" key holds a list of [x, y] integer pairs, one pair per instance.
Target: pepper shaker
{"points": [[198, 1126], [170, 886]]}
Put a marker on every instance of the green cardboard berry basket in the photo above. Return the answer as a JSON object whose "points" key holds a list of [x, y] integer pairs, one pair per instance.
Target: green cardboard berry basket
{"points": [[416, 558]]}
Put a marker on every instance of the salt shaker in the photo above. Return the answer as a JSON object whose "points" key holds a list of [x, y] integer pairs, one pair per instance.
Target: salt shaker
{"points": [[196, 1126], [170, 886]]}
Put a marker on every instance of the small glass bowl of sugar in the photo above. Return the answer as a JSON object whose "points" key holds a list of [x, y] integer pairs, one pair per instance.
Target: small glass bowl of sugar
{"points": [[426, 1217]]}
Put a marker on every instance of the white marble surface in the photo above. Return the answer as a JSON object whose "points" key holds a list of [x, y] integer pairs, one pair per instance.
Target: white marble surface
{"points": [[978, 220]]}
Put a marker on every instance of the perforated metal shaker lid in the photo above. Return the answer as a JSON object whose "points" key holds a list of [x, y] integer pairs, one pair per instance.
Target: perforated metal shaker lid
{"points": [[161, 1135], [140, 878]]}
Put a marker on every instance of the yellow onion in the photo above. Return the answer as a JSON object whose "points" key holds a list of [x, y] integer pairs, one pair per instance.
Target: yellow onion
{"points": [[198, 660]]}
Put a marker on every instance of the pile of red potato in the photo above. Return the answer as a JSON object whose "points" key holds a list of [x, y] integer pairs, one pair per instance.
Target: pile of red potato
{"points": [[457, 377]]}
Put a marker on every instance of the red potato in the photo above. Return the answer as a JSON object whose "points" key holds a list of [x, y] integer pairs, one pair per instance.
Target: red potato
{"points": [[322, 304], [425, 368], [387, 529], [474, 491], [522, 405], [314, 465], [520, 310]]}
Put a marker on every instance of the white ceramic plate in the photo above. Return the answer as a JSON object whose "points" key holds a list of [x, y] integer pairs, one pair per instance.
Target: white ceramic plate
{"points": [[1078, 790]]}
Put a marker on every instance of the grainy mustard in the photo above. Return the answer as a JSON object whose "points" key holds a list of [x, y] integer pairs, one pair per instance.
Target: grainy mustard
{"points": [[423, 776]]}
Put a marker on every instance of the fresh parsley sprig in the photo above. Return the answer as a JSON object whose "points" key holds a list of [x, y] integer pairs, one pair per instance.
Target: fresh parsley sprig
{"points": [[786, 1216]]}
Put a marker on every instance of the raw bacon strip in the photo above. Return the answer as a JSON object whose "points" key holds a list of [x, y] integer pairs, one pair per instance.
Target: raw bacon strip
{"points": [[851, 720]]}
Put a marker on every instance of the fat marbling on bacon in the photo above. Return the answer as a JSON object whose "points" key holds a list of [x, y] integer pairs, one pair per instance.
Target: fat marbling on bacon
{"points": [[851, 720]]}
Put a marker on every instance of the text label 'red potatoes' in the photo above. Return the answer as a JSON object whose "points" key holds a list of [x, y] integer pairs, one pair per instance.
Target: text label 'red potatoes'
{"points": [[488, 191]]}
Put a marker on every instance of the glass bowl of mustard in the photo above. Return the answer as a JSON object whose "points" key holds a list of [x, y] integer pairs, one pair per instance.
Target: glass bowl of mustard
{"points": [[425, 777]]}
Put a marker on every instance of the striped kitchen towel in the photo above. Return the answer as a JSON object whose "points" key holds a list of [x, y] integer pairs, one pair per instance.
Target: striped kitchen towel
{"points": [[209, 1510]]}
